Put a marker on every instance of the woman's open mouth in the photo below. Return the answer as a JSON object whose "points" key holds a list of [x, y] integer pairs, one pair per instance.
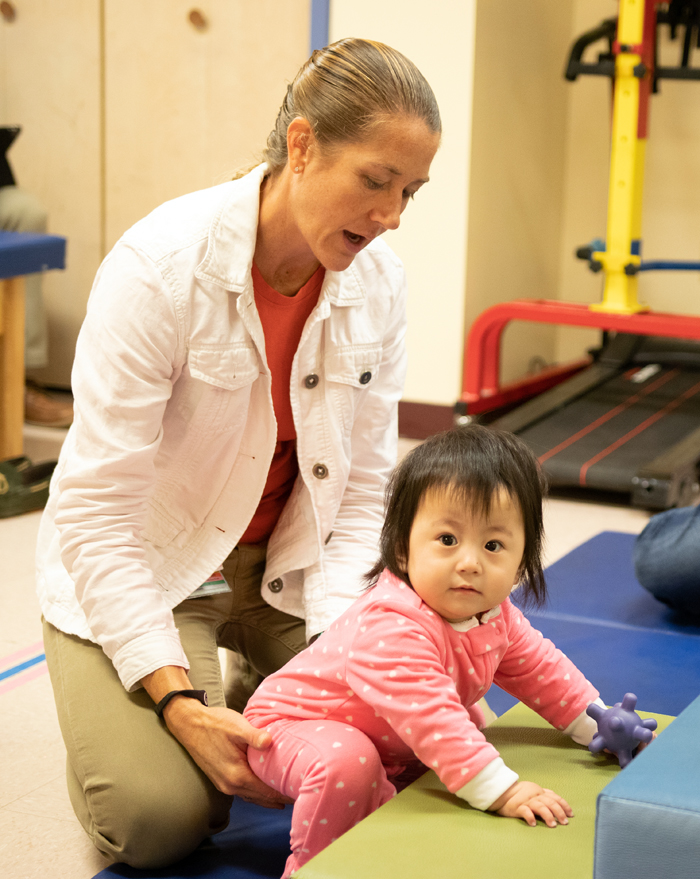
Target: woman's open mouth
{"points": [[354, 242]]}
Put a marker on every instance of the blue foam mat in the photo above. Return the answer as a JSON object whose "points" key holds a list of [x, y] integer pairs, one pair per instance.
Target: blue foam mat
{"points": [[598, 614], [622, 638]]}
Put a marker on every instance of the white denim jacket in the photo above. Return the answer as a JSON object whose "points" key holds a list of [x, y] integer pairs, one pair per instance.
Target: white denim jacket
{"points": [[174, 432]]}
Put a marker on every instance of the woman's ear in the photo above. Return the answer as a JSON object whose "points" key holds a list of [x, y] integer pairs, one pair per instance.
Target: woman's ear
{"points": [[300, 137]]}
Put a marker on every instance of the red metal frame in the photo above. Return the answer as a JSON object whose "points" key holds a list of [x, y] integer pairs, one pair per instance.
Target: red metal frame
{"points": [[481, 388]]}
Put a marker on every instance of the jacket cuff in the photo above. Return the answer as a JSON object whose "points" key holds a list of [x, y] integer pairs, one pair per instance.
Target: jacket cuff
{"points": [[147, 653], [583, 728], [488, 785]]}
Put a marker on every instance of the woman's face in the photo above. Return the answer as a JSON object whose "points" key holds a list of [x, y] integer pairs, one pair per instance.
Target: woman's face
{"points": [[345, 197]]}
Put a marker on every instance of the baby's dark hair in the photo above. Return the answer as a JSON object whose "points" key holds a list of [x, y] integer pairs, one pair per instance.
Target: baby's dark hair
{"points": [[472, 462]]}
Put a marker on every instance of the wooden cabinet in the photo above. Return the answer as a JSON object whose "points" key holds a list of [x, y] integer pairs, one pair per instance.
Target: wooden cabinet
{"points": [[127, 103]]}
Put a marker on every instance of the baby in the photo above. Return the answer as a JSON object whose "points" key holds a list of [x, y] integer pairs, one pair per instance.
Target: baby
{"points": [[391, 687]]}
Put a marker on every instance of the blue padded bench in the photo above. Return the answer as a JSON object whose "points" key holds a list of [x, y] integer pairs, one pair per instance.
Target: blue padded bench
{"points": [[648, 817]]}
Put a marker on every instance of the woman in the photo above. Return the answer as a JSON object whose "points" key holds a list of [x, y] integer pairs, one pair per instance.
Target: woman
{"points": [[236, 384]]}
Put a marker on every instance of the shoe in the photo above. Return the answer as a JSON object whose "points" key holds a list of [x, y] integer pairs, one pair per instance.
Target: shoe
{"points": [[44, 410], [24, 486]]}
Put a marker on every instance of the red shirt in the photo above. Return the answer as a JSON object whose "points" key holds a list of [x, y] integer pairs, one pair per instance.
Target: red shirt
{"points": [[283, 319]]}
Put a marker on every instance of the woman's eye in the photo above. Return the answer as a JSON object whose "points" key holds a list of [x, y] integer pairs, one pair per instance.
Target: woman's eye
{"points": [[494, 546], [373, 184], [447, 539], [407, 195]]}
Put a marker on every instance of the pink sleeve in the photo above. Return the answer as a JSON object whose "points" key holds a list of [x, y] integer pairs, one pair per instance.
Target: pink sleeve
{"points": [[396, 667], [540, 675]]}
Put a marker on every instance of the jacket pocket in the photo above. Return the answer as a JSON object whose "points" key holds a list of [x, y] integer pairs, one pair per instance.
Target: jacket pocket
{"points": [[161, 528], [356, 365], [224, 366]]}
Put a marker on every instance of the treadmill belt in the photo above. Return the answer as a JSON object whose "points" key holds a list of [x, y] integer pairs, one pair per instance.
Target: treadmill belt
{"points": [[601, 440]]}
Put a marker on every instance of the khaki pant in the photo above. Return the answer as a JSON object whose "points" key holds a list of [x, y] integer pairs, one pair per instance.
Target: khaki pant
{"points": [[138, 794]]}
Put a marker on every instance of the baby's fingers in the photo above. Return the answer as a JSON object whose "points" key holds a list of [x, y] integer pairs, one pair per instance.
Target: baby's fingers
{"points": [[568, 811], [526, 813], [549, 810]]}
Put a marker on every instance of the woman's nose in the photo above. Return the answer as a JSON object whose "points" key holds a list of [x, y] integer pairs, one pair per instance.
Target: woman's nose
{"points": [[388, 213]]}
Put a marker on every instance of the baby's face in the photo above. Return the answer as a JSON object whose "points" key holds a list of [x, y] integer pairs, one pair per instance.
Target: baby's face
{"points": [[462, 563]]}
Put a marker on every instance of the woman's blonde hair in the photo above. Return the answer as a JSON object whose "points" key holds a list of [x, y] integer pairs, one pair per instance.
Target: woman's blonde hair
{"points": [[345, 90]]}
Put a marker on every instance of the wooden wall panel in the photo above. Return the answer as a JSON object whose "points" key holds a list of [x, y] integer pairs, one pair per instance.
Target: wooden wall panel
{"points": [[186, 106], [50, 85]]}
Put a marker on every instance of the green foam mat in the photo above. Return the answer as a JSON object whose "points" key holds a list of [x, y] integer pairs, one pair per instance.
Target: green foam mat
{"points": [[426, 831]]}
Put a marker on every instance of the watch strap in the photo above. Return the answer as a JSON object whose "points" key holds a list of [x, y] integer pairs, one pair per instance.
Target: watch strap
{"points": [[200, 695]]}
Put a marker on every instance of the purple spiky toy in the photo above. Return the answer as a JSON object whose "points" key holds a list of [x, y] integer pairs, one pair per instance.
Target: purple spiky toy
{"points": [[620, 729]]}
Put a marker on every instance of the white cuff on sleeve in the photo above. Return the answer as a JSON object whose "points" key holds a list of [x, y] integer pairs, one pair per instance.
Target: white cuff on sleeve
{"points": [[488, 785], [583, 728]]}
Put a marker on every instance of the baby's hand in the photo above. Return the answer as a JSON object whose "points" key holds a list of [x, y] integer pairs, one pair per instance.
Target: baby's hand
{"points": [[526, 800], [642, 745]]}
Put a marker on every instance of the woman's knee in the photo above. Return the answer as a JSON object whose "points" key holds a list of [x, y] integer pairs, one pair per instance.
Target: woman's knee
{"points": [[22, 211], [148, 824], [667, 558]]}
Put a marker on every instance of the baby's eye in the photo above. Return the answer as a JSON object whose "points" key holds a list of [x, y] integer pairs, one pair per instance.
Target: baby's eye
{"points": [[448, 539], [494, 546]]}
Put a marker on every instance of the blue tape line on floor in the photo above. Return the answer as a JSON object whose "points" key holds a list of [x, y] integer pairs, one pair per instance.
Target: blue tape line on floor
{"points": [[16, 669]]}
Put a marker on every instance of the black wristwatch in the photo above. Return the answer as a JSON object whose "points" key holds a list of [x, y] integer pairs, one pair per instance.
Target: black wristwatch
{"points": [[201, 695]]}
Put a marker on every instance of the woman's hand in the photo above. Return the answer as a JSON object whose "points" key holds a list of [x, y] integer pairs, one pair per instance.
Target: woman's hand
{"points": [[216, 739], [527, 800]]}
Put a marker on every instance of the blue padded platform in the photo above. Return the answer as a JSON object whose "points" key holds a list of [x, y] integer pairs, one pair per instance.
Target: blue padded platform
{"points": [[622, 638], [24, 253], [648, 817], [254, 846]]}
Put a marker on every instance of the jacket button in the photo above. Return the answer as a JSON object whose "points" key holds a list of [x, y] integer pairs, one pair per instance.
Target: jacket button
{"points": [[275, 585], [365, 377], [320, 471], [311, 380]]}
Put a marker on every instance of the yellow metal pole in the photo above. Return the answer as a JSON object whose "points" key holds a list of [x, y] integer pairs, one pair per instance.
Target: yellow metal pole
{"points": [[626, 169]]}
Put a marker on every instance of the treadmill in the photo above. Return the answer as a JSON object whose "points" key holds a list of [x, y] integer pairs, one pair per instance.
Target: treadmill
{"points": [[629, 424]]}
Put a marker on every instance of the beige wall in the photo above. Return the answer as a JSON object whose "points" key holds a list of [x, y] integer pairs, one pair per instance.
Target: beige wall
{"points": [[433, 234], [586, 182], [487, 228], [518, 162], [671, 220]]}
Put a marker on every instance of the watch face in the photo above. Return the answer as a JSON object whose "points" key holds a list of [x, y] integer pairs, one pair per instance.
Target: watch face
{"points": [[206, 698]]}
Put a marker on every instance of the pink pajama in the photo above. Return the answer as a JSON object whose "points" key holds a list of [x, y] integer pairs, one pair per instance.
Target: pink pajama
{"points": [[389, 685], [334, 773]]}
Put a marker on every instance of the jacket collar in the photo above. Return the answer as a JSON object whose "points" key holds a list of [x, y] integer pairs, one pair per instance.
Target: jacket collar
{"points": [[229, 257]]}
